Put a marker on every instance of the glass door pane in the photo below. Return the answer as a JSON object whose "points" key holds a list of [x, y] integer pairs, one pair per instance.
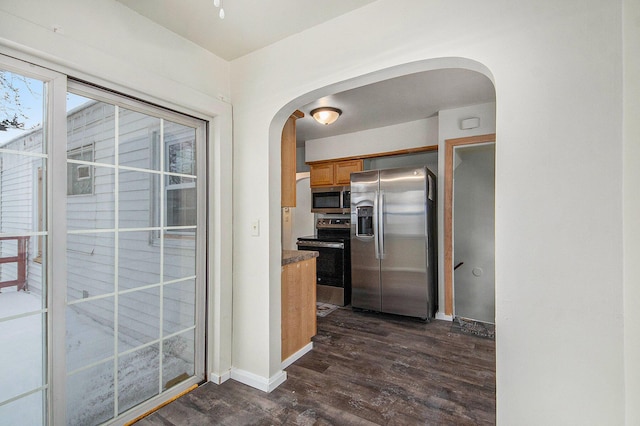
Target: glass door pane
{"points": [[23, 238], [91, 239], [131, 255]]}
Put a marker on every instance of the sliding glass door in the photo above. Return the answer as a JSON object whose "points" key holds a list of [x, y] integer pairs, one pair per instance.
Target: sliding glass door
{"points": [[25, 140], [123, 324], [132, 239]]}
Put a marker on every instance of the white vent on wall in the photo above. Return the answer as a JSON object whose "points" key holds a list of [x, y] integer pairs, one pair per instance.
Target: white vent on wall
{"points": [[470, 123]]}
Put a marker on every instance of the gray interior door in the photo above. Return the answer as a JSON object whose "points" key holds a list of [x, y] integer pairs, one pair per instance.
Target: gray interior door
{"points": [[473, 229]]}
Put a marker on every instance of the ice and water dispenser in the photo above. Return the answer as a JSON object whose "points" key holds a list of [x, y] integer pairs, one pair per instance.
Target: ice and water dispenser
{"points": [[364, 224]]}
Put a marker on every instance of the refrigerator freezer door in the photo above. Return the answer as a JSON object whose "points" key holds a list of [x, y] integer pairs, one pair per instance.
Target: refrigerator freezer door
{"points": [[365, 267], [404, 280]]}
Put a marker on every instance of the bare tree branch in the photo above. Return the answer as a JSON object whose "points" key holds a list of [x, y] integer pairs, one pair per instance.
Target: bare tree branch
{"points": [[12, 114]]}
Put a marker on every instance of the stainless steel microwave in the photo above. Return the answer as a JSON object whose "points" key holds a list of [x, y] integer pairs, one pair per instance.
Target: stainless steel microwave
{"points": [[335, 199]]}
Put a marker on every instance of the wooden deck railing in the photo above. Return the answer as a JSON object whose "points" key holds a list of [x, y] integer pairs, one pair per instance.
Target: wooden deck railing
{"points": [[20, 259]]}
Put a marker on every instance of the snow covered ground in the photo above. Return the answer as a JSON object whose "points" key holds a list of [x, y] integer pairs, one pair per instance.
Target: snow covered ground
{"points": [[21, 365], [90, 392]]}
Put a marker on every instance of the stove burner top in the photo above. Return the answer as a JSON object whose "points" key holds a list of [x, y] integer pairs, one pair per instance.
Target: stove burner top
{"points": [[333, 224], [323, 237], [330, 230]]}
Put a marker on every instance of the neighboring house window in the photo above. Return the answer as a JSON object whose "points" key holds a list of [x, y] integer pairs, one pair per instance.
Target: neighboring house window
{"points": [[79, 175], [180, 192], [180, 200]]}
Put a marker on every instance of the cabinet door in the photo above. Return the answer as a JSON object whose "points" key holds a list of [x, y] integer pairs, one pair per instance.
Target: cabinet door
{"points": [[308, 277], [288, 160], [343, 170], [321, 174], [290, 309], [298, 306]]}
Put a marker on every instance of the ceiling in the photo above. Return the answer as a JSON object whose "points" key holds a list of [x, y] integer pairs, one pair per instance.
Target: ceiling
{"points": [[250, 25], [398, 100]]}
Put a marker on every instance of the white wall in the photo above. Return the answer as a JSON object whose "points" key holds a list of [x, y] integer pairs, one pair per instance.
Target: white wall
{"points": [[301, 167], [412, 134], [449, 128], [110, 42], [557, 70], [105, 43], [631, 40], [450, 122]]}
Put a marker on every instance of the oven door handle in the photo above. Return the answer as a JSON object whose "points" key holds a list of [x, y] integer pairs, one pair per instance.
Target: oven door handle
{"points": [[321, 244]]}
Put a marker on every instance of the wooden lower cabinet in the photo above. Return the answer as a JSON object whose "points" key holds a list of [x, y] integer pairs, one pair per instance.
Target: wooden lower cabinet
{"points": [[298, 305]]}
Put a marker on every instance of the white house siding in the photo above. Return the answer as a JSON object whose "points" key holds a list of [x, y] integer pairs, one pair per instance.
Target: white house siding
{"points": [[18, 203], [91, 256]]}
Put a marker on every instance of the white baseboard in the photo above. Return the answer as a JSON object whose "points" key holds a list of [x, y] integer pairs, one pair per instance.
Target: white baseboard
{"points": [[296, 356], [219, 379], [259, 382], [441, 316]]}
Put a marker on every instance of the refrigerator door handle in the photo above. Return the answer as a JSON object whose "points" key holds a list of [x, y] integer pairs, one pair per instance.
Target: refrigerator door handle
{"points": [[381, 223], [376, 233]]}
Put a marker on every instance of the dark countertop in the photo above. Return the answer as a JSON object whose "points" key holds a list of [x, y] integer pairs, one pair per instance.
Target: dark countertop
{"points": [[293, 256]]}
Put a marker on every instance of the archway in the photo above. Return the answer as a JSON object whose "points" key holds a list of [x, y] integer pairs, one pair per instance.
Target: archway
{"points": [[369, 79]]}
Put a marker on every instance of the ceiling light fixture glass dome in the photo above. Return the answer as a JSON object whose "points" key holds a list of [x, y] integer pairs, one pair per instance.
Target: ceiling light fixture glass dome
{"points": [[326, 115]]}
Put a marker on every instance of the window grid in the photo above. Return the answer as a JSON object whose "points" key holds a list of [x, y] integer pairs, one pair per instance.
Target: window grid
{"points": [[116, 258], [161, 316], [118, 231]]}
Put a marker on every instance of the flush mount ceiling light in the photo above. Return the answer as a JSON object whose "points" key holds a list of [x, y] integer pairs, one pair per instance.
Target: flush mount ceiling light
{"points": [[326, 115], [218, 3]]}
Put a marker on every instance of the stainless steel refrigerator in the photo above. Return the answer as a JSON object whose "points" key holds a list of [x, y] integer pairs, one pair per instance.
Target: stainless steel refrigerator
{"points": [[393, 241]]}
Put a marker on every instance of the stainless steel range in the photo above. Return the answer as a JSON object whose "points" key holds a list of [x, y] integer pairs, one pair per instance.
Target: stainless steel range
{"points": [[333, 265]]}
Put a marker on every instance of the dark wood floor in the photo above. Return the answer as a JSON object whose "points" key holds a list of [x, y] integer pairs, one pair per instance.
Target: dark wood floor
{"points": [[365, 369]]}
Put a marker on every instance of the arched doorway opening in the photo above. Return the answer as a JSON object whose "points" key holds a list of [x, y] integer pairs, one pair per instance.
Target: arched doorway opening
{"points": [[442, 122]]}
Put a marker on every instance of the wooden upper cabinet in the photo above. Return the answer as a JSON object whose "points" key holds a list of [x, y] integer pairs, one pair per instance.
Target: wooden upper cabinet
{"points": [[334, 173], [338, 171], [343, 170], [288, 160], [321, 174]]}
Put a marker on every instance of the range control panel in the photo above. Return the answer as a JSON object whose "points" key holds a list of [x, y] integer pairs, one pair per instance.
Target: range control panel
{"points": [[333, 223]]}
